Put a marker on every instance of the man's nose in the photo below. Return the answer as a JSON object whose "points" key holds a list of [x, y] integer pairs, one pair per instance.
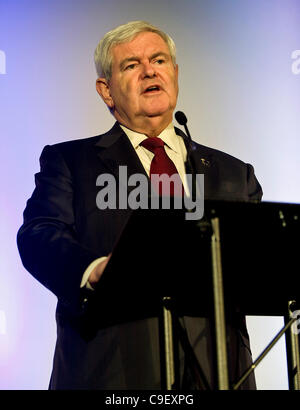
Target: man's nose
{"points": [[148, 70]]}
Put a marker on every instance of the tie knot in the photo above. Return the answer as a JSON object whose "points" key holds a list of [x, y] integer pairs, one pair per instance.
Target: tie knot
{"points": [[153, 143]]}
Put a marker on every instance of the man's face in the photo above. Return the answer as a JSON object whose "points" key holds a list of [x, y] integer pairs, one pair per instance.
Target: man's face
{"points": [[144, 81]]}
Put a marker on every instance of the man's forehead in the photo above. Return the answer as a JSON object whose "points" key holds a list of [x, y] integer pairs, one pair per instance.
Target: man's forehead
{"points": [[142, 42]]}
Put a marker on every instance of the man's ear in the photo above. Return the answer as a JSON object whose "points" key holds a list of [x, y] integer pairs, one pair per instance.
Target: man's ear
{"points": [[176, 74], [103, 90]]}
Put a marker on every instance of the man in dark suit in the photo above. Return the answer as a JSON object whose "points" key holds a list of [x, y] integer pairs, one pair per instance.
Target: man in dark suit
{"points": [[66, 240]]}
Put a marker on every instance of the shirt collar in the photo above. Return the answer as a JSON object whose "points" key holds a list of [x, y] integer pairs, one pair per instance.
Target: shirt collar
{"points": [[168, 135]]}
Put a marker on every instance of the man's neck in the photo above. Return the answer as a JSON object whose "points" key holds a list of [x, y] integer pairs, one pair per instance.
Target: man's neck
{"points": [[150, 126]]}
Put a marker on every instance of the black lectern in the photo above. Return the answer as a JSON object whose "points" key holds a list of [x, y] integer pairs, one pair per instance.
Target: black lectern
{"points": [[239, 254]]}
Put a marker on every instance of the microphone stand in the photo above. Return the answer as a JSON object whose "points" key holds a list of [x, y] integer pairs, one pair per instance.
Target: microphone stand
{"points": [[210, 229]]}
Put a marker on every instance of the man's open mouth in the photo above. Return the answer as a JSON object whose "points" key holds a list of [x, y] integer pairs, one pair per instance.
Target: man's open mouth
{"points": [[152, 89]]}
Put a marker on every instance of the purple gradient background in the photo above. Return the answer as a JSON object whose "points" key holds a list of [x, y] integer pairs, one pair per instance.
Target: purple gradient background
{"points": [[236, 86]]}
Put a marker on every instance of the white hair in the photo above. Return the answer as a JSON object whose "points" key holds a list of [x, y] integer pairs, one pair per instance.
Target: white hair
{"points": [[123, 34]]}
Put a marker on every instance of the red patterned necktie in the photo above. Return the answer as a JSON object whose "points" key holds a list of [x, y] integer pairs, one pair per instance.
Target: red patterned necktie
{"points": [[162, 164]]}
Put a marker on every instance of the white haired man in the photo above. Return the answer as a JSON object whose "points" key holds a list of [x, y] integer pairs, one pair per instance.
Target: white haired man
{"points": [[65, 241]]}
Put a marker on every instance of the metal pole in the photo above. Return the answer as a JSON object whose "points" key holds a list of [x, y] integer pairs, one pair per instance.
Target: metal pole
{"points": [[168, 344], [292, 341], [220, 324], [263, 354]]}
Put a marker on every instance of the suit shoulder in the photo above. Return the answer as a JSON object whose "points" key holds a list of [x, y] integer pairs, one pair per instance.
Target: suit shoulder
{"points": [[72, 152], [77, 144], [218, 154], [212, 153], [81, 144]]}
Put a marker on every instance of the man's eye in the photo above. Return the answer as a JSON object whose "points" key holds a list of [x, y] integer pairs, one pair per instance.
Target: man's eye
{"points": [[160, 61], [130, 66]]}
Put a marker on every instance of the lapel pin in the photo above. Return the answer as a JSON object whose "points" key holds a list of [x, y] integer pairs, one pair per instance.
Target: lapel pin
{"points": [[205, 162]]}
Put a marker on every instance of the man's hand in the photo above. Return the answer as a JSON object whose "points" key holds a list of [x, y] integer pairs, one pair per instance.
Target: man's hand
{"points": [[98, 271]]}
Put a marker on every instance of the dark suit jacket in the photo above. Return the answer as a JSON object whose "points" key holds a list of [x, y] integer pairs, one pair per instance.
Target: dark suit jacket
{"points": [[64, 231]]}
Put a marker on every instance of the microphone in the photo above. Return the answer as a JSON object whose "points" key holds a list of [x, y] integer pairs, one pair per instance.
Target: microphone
{"points": [[182, 120], [190, 166]]}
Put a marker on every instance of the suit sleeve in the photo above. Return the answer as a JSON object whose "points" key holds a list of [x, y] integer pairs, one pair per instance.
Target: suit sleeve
{"points": [[255, 192], [47, 240]]}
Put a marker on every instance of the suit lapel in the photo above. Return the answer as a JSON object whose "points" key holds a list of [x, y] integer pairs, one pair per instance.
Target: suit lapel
{"points": [[204, 163], [114, 150]]}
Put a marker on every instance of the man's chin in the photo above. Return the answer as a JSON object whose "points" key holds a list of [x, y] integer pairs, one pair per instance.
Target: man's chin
{"points": [[158, 112]]}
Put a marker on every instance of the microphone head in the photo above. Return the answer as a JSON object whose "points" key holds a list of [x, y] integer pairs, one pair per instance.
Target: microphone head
{"points": [[180, 118]]}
